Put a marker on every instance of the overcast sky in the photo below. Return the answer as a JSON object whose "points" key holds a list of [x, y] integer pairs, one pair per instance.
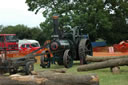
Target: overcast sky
{"points": [[13, 12]]}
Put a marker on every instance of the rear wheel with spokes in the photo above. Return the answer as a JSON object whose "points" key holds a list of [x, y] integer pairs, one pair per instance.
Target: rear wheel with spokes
{"points": [[85, 48]]}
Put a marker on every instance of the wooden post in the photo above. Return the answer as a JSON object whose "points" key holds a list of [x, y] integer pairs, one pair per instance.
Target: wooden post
{"points": [[115, 70]]}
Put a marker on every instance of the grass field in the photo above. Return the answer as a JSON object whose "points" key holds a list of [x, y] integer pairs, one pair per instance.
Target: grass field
{"points": [[105, 76]]}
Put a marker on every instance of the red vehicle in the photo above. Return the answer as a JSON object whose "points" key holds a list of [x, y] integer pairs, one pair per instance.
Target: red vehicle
{"points": [[122, 46], [29, 46], [8, 42]]}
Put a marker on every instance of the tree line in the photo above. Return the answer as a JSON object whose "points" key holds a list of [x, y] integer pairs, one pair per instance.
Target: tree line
{"points": [[105, 19]]}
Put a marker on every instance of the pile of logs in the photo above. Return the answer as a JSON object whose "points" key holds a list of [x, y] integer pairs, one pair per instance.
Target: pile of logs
{"points": [[60, 77], [50, 78], [112, 62]]}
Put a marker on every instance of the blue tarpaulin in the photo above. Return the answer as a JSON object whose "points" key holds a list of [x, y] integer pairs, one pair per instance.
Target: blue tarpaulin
{"points": [[98, 44]]}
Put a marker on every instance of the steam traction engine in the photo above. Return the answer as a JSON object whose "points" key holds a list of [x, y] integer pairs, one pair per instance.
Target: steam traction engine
{"points": [[67, 47]]}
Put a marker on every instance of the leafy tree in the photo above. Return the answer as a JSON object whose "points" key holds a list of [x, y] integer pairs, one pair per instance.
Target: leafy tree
{"points": [[20, 30], [38, 34], [94, 16], [118, 18]]}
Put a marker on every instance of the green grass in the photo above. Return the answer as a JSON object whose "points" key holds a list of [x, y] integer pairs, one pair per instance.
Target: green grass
{"points": [[105, 76]]}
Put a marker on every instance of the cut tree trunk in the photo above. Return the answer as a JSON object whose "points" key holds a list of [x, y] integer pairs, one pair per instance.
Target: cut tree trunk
{"points": [[104, 64], [99, 59], [50, 78], [70, 79]]}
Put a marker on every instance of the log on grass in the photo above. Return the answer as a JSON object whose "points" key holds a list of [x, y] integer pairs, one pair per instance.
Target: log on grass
{"points": [[69, 79], [18, 80], [104, 64], [99, 59], [50, 78]]}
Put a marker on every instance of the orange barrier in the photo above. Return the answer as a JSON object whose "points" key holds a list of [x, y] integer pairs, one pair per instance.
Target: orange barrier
{"points": [[101, 54], [100, 49], [107, 51]]}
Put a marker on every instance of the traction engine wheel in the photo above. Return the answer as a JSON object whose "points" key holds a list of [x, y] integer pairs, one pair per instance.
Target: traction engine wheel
{"points": [[29, 68], [85, 48], [42, 63], [67, 59], [12, 71]]}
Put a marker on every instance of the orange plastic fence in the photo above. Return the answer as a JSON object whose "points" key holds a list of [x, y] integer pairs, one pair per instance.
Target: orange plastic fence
{"points": [[105, 51], [100, 49], [101, 54]]}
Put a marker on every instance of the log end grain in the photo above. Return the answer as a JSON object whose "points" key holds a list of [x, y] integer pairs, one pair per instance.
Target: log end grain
{"points": [[95, 79]]}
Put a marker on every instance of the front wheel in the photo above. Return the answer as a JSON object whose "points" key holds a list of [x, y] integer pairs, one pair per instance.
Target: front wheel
{"points": [[29, 67], [67, 59], [13, 71], [42, 62], [85, 48], [45, 62]]}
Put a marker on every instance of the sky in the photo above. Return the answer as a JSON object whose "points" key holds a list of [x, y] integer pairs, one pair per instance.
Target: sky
{"points": [[13, 12]]}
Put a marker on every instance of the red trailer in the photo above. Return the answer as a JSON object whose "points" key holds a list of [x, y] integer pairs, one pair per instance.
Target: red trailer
{"points": [[122, 46], [8, 41]]}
